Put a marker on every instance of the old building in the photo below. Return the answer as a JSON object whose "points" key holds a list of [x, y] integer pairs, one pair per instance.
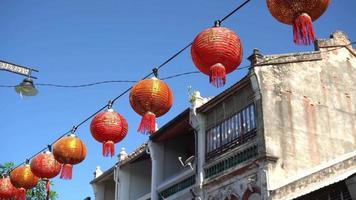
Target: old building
{"points": [[287, 130]]}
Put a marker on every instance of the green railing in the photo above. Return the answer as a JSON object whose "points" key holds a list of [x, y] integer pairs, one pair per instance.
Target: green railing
{"points": [[231, 161], [177, 187]]}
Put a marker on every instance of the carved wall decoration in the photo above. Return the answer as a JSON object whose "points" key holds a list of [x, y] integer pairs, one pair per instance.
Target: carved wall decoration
{"points": [[252, 193]]}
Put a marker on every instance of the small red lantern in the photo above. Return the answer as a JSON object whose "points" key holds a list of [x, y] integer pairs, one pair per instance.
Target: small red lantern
{"points": [[150, 98], [300, 14], [109, 128], [216, 52], [23, 179], [69, 150], [7, 190], [45, 166]]}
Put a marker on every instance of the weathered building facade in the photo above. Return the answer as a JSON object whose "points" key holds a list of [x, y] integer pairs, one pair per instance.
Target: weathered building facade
{"points": [[287, 130]]}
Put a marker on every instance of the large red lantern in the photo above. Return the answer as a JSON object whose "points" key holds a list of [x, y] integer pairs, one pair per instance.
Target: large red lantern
{"points": [[45, 166], [23, 179], [69, 151], [300, 14], [216, 52], [109, 128], [150, 98], [7, 190]]}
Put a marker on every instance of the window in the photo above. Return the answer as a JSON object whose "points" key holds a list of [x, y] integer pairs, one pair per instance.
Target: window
{"points": [[233, 131], [337, 191]]}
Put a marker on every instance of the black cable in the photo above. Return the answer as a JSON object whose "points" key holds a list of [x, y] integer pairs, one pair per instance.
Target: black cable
{"points": [[232, 12], [122, 94], [181, 74], [84, 85], [175, 55], [7, 86]]}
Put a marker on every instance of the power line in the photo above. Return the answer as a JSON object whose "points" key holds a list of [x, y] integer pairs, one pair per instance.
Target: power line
{"points": [[127, 90], [165, 78], [98, 83]]}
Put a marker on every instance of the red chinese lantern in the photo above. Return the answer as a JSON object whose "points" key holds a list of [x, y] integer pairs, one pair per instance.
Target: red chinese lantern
{"points": [[300, 14], [216, 52], [23, 179], [150, 98], [109, 128], [69, 150], [7, 190], [45, 166]]}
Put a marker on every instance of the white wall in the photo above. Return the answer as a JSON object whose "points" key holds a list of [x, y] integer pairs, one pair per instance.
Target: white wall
{"points": [[135, 180]]}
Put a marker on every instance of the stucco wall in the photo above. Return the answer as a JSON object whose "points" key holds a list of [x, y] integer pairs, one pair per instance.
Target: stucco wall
{"points": [[177, 147], [309, 109], [140, 179], [109, 190]]}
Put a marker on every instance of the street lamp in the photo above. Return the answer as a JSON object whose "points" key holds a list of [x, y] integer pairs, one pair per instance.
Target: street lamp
{"points": [[26, 88]]}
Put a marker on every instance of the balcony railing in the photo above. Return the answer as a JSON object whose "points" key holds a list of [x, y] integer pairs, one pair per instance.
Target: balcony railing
{"points": [[237, 142], [145, 197], [231, 161], [177, 183], [232, 132]]}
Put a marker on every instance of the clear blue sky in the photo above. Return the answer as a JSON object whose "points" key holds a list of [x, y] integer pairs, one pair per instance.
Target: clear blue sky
{"points": [[76, 42]]}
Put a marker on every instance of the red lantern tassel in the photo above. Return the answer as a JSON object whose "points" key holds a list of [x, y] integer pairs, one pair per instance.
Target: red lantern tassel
{"points": [[148, 123], [303, 30], [66, 171], [109, 149], [48, 187], [217, 75], [20, 194]]}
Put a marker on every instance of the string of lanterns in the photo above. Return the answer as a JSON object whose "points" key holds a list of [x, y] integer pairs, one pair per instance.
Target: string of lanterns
{"points": [[216, 52]]}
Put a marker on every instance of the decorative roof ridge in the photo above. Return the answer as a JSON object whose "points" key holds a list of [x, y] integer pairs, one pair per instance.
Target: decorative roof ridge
{"points": [[135, 154]]}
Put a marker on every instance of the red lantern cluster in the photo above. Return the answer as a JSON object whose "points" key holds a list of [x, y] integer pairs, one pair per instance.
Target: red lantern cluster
{"points": [[45, 166], [150, 98], [23, 179], [69, 150], [300, 14], [109, 128], [7, 190], [216, 52]]}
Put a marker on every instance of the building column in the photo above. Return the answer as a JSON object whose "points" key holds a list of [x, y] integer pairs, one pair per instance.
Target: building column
{"points": [[124, 189], [197, 121], [351, 185], [156, 154], [99, 191]]}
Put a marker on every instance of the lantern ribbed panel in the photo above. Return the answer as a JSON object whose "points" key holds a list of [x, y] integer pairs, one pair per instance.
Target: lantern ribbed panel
{"points": [[300, 14], [150, 98], [7, 190], [151, 95], [22, 177], [286, 11], [69, 150], [109, 126], [216, 52], [45, 166]]}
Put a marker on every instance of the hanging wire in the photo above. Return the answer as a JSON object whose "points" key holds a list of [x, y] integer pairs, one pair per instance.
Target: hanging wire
{"points": [[123, 93], [84, 85], [128, 81], [236, 9], [98, 83], [166, 78]]}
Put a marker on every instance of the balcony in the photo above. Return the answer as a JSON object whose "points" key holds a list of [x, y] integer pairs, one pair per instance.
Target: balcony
{"points": [[178, 186]]}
